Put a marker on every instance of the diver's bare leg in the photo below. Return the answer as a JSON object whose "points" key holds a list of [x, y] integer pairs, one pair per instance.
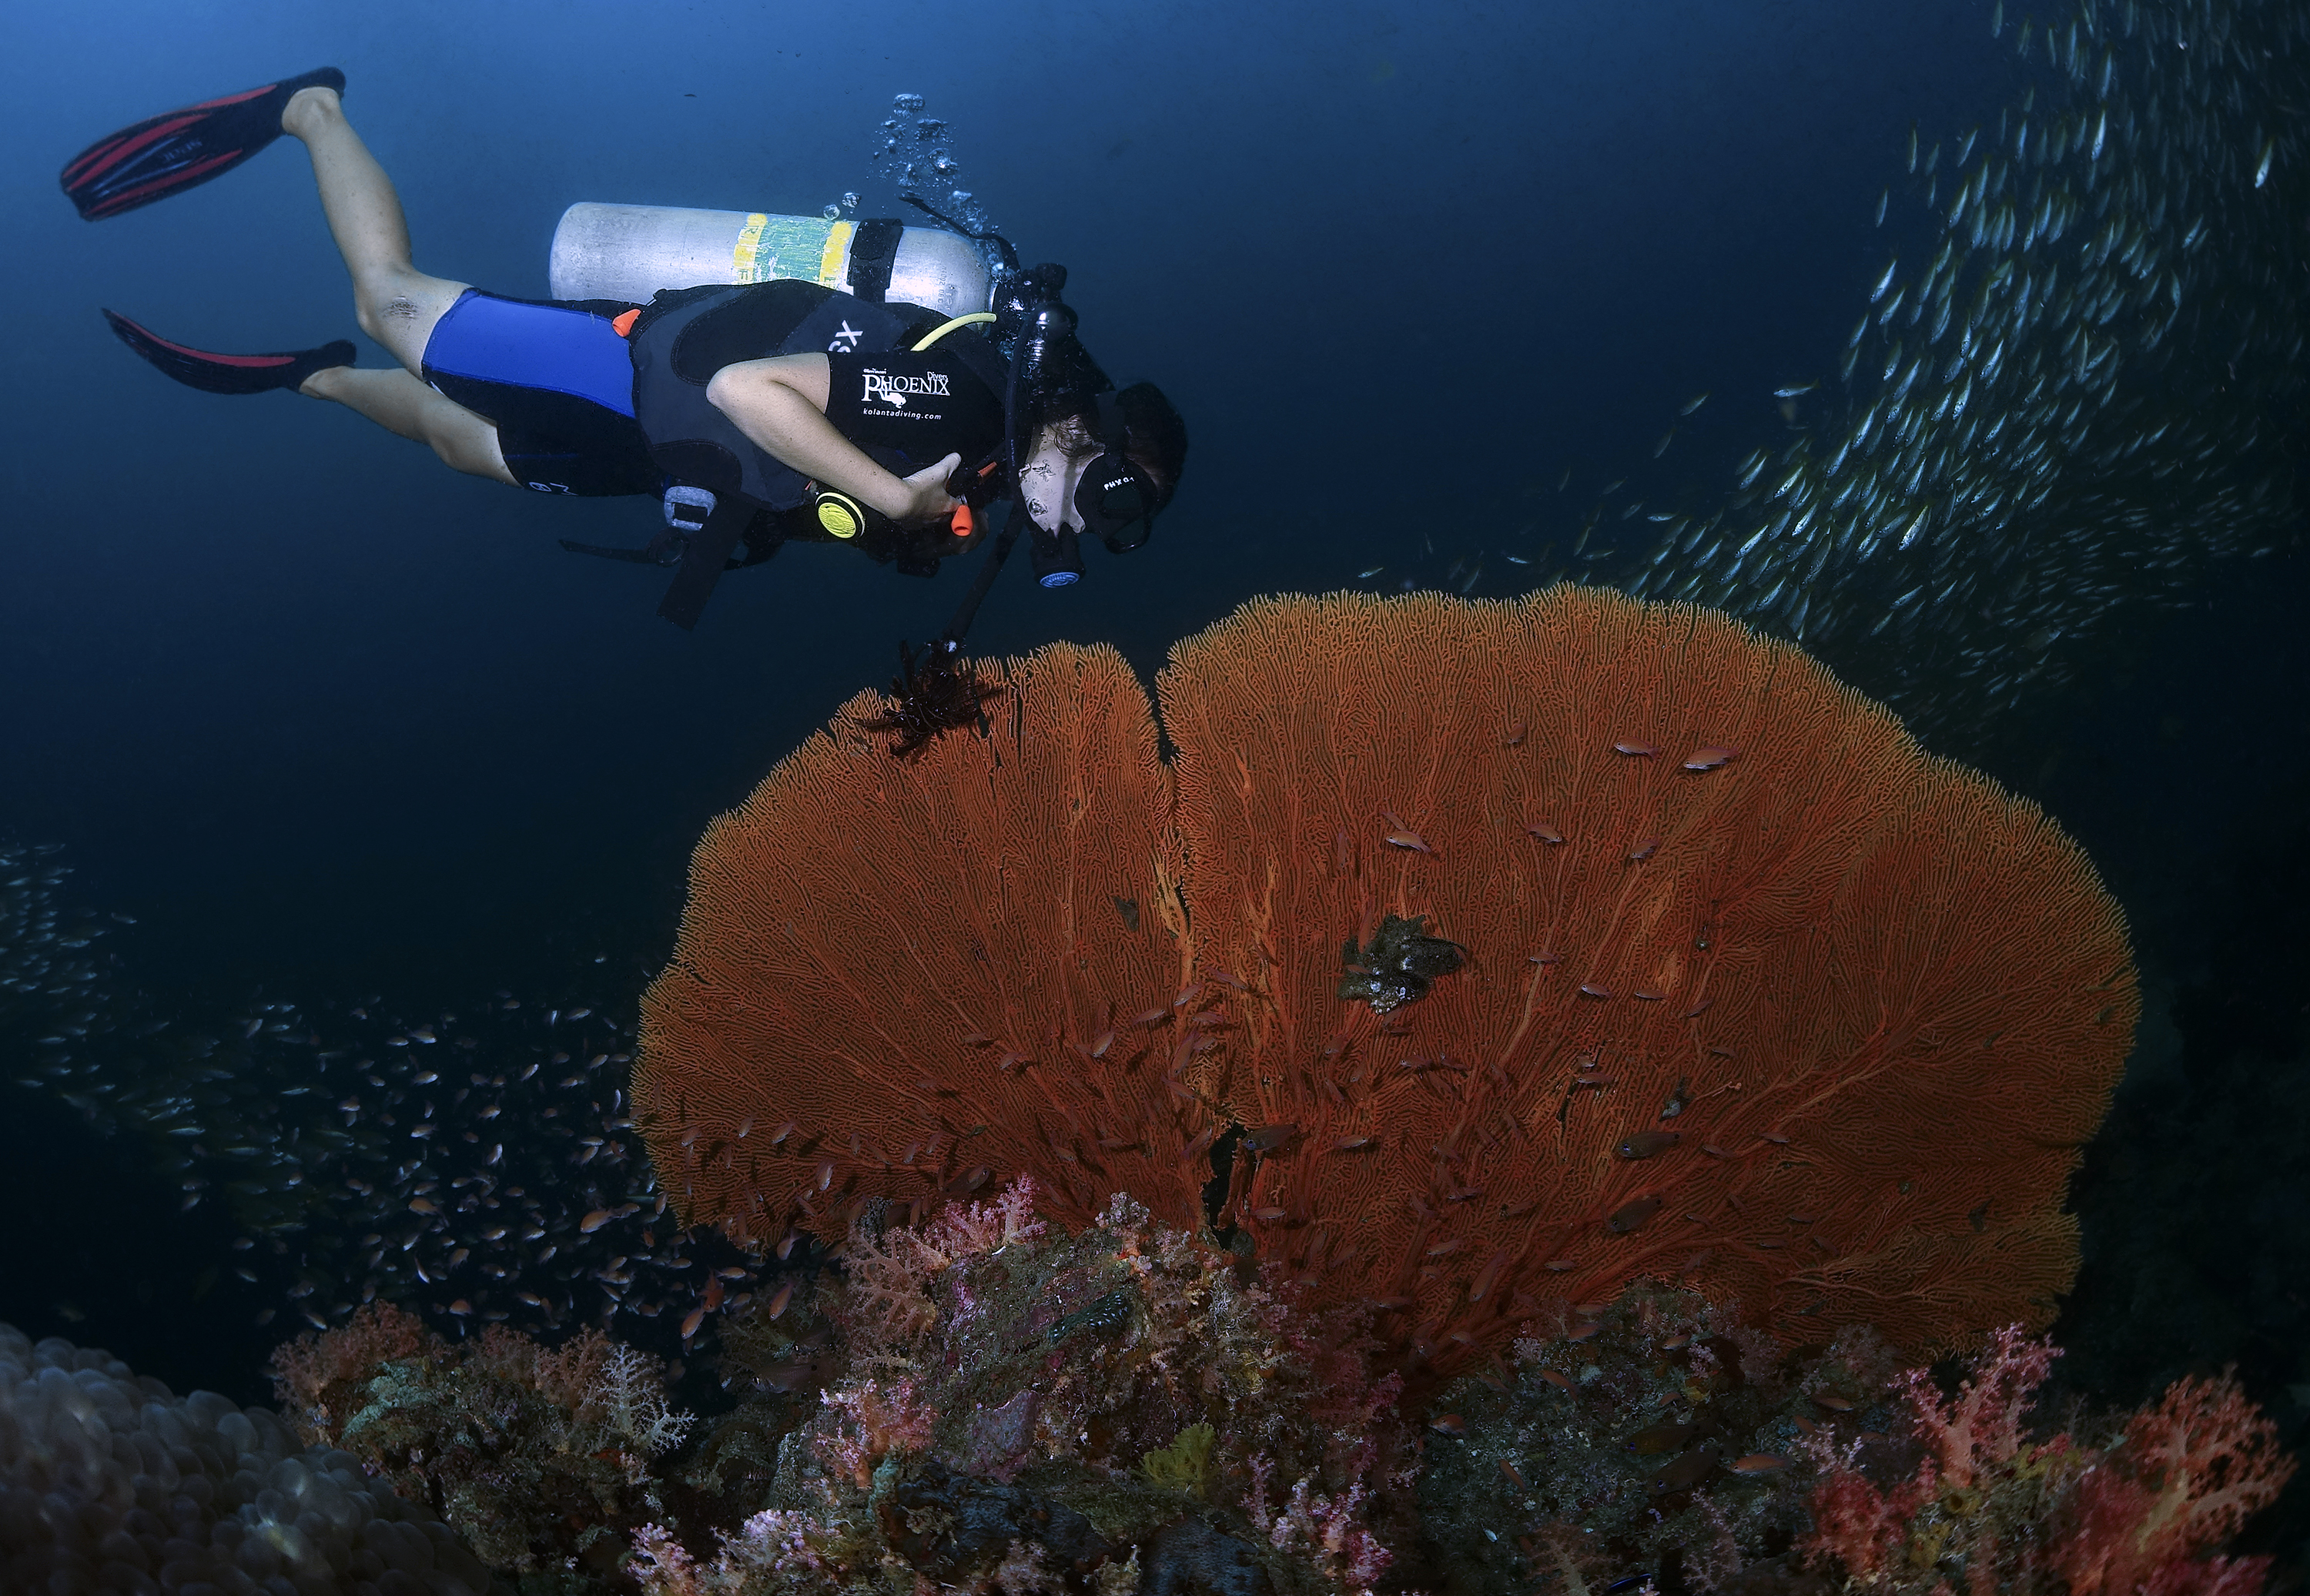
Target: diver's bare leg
{"points": [[400, 403], [395, 303]]}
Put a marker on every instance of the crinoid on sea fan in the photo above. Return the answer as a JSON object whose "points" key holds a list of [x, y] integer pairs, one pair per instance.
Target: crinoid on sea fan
{"points": [[935, 691], [1696, 966]]}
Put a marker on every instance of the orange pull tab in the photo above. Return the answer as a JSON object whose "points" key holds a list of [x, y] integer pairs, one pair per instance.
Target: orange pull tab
{"points": [[624, 321], [963, 521]]}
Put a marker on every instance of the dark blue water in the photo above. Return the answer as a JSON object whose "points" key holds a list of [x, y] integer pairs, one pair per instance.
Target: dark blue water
{"points": [[329, 719]]}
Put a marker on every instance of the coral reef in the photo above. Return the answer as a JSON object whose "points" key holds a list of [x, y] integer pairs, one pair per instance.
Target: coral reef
{"points": [[1652, 1438], [541, 1458], [1966, 1497], [1504, 953], [108, 1481], [1127, 1408]]}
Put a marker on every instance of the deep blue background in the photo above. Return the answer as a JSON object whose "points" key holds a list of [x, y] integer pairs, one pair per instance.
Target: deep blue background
{"points": [[323, 713], [330, 719]]}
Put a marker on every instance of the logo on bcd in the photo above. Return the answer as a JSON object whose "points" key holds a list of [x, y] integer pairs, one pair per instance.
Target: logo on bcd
{"points": [[893, 390]]}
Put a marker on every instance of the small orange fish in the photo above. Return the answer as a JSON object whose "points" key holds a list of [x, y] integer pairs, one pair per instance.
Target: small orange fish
{"points": [[1635, 750], [461, 1307], [1348, 1144], [1581, 1333], [1557, 1378], [1710, 758], [1408, 839], [593, 1221], [422, 1205], [1516, 735], [1545, 832], [1834, 1404], [780, 1298], [1643, 850], [1449, 1424], [1758, 1462], [691, 1321]]}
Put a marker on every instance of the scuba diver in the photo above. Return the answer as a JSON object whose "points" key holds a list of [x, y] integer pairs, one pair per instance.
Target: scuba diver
{"points": [[758, 413]]}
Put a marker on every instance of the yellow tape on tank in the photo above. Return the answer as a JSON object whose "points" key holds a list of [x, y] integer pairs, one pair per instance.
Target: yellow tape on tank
{"points": [[749, 247], [831, 260]]}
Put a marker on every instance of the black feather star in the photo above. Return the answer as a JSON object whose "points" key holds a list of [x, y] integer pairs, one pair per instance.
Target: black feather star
{"points": [[935, 691]]}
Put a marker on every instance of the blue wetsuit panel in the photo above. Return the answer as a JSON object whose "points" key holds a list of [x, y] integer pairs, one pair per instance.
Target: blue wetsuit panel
{"points": [[527, 345], [557, 381]]}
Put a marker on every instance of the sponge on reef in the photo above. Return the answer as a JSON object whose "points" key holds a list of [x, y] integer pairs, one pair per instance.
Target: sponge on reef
{"points": [[110, 1482]]}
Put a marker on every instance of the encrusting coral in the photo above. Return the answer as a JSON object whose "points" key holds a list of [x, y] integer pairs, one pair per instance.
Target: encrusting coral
{"points": [[539, 1457], [983, 1403], [1503, 953], [1018, 1410], [110, 1482]]}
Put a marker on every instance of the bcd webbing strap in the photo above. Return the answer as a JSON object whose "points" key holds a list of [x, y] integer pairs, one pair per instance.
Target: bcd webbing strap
{"points": [[873, 250], [702, 562]]}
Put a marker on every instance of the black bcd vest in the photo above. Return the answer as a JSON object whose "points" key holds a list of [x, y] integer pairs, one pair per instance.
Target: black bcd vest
{"points": [[685, 335]]}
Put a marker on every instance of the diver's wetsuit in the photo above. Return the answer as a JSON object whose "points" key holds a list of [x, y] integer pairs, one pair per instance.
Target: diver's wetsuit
{"points": [[555, 378], [558, 380]]}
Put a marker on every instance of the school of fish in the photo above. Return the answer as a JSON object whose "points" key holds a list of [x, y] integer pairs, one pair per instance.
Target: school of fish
{"points": [[476, 1165], [2066, 391]]}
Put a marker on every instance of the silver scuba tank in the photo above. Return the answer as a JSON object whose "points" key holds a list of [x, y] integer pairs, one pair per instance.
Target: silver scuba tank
{"points": [[631, 252]]}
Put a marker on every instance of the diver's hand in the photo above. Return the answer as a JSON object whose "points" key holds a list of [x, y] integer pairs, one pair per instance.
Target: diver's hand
{"points": [[927, 499]]}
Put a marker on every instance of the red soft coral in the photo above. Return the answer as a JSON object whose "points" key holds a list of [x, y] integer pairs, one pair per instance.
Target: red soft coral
{"points": [[2189, 1473], [1857, 1524]]}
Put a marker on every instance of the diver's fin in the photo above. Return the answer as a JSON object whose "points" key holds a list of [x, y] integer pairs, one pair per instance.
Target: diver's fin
{"points": [[161, 155], [229, 374]]}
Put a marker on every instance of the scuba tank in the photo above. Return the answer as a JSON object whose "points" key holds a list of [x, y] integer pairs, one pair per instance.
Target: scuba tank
{"points": [[628, 253]]}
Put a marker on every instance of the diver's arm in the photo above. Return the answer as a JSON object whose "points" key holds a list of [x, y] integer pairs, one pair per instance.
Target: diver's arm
{"points": [[780, 404]]}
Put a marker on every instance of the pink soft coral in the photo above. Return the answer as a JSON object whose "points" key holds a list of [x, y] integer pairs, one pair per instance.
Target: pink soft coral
{"points": [[2134, 1520], [1982, 1430], [2188, 1474]]}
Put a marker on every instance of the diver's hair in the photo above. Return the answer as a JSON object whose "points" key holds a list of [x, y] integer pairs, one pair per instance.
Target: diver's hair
{"points": [[1154, 436]]}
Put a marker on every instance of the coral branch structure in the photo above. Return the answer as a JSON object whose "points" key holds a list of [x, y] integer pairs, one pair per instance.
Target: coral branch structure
{"points": [[1697, 967]]}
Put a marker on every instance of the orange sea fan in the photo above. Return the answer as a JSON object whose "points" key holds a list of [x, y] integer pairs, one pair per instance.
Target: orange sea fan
{"points": [[918, 979], [1751, 992]]}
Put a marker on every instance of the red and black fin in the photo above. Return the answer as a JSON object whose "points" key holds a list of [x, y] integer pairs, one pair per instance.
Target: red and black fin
{"points": [[163, 155], [229, 374]]}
